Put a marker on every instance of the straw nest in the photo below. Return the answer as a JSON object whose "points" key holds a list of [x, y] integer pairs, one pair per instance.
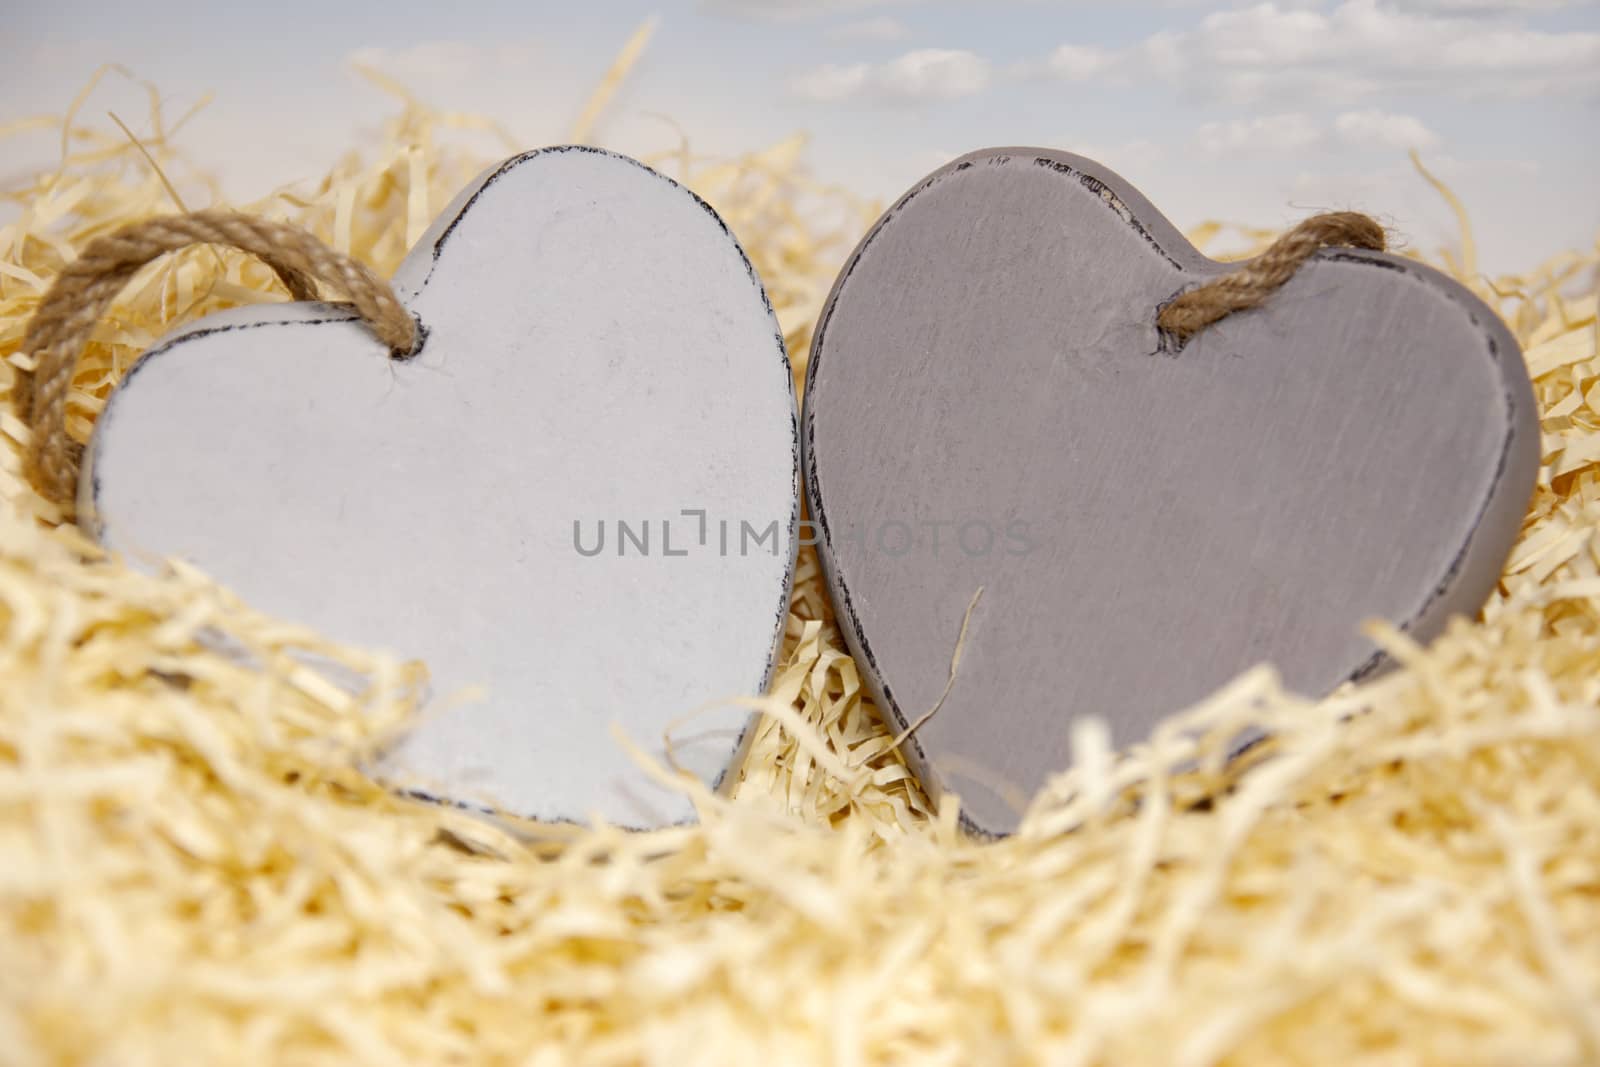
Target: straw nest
{"points": [[194, 869]]}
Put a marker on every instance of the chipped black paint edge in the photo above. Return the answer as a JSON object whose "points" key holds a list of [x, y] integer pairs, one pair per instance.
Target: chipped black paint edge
{"points": [[1112, 192], [1459, 295], [740, 748]]}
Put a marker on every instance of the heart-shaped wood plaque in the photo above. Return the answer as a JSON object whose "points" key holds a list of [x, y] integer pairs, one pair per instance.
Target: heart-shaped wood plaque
{"points": [[581, 493], [990, 404]]}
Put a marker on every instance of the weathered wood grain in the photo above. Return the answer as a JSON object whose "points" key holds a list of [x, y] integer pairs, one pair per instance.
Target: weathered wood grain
{"points": [[598, 352], [1145, 523]]}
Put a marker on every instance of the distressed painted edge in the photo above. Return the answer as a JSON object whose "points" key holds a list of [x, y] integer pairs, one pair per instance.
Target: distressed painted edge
{"points": [[427, 253], [1519, 448]]}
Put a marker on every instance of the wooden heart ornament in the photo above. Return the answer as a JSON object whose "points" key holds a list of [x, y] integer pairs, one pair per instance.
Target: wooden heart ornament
{"points": [[991, 404], [581, 493]]}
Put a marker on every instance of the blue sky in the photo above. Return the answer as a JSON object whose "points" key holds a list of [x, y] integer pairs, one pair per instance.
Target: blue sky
{"points": [[1251, 112]]}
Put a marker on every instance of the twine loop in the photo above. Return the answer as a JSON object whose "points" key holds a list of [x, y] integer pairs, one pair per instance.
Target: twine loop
{"points": [[84, 290], [1259, 278]]}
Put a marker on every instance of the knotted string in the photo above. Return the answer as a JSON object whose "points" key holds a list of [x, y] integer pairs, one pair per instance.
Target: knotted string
{"points": [[84, 290], [1259, 278]]}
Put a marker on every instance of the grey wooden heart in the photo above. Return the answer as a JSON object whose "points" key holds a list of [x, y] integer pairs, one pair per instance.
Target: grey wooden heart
{"points": [[990, 404], [537, 502]]}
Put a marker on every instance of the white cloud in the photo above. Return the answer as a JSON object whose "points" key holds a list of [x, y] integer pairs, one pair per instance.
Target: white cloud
{"points": [[1079, 62], [1355, 50], [881, 28], [935, 73], [789, 10], [443, 60], [1261, 135], [1383, 129], [830, 82], [924, 75], [1488, 7]]}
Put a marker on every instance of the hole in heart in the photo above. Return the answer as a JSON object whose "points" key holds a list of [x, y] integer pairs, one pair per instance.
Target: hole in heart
{"points": [[416, 349], [1167, 342]]}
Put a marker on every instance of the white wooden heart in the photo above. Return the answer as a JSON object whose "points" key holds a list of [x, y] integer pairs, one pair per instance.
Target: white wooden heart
{"points": [[600, 367]]}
